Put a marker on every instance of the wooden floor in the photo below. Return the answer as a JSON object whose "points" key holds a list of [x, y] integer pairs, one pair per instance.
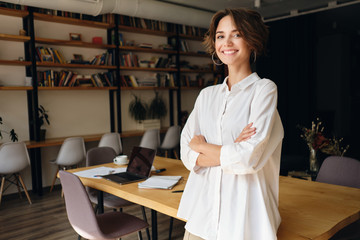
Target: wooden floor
{"points": [[46, 219]]}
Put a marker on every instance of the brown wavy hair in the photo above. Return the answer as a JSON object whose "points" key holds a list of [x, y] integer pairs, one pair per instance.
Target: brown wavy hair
{"points": [[249, 24]]}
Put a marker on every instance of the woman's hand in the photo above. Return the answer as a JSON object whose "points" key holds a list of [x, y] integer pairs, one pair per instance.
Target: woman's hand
{"points": [[196, 142], [246, 133]]}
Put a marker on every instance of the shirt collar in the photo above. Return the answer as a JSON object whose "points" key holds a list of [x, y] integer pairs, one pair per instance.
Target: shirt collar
{"points": [[243, 83]]}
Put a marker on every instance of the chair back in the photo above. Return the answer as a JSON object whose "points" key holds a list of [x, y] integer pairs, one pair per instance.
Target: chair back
{"points": [[172, 138], [78, 207], [100, 155], [14, 157], [342, 171], [111, 140], [72, 152], [151, 139]]}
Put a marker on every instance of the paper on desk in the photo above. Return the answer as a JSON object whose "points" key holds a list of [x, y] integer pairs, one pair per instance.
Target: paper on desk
{"points": [[98, 172], [160, 182]]}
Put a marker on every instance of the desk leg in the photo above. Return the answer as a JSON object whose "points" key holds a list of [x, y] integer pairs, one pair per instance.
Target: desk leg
{"points": [[154, 224], [100, 198]]}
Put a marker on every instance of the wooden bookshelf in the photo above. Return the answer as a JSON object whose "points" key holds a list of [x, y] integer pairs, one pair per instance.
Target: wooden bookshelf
{"points": [[149, 50], [72, 43], [15, 88], [15, 38], [13, 12], [75, 88], [69, 65], [72, 21], [145, 31], [15, 62], [190, 37], [195, 54], [148, 69], [185, 70], [148, 88]]}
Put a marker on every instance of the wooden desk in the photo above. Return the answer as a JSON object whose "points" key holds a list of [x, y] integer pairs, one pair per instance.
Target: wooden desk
{"points": [[309, 210], [35, 155]]}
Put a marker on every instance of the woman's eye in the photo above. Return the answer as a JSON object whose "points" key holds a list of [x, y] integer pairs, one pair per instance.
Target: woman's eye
{"points": [[237, 35], [219, 37]]}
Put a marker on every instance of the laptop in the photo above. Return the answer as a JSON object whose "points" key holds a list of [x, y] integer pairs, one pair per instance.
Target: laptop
{"points": [[139, 167]]}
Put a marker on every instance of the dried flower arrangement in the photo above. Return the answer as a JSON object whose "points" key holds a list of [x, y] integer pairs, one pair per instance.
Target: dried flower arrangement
{"points": [[315, 139]]}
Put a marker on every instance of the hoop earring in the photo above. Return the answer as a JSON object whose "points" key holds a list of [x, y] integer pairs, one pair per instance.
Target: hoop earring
{"points": [[214, 61], [254, 57]]}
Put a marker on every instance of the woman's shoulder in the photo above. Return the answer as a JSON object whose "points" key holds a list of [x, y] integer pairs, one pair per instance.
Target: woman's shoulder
{"points": [[265, 83]]}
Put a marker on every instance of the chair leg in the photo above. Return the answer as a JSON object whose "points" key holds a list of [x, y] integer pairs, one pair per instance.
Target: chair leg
{"points": [[2, 187], [53, 182], [17, 185], [25, 190], [176, 155], [171, 227], [79, 237], [139, 235], [145, 219]]}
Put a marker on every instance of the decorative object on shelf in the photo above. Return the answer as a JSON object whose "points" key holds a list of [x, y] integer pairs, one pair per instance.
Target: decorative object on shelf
{"points": [[316, 140], [22, 32], [43, 117], [75, 36], [97, 40], [157, 108], [137, 109], [12, 134]]}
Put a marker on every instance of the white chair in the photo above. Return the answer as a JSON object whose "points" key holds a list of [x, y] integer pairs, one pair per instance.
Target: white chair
{"points": [[151, 139], [71, 153], [14, 158], [111, 140], [171, 140]]}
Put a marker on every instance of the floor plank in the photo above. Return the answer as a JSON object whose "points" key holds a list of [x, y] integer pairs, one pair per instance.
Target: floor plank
{"points": [[46, 219]]}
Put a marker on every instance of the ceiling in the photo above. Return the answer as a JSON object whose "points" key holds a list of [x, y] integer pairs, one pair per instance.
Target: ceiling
{"points": [[269, 9]]}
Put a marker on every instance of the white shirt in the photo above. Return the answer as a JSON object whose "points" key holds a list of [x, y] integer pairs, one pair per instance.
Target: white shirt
{"points": [[238, 199]]}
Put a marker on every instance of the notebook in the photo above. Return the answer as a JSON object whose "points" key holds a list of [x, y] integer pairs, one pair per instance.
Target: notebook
{"points": [[138, 169]]}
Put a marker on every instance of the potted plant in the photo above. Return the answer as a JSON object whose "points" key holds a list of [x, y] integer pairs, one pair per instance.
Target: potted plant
{"points": [[12, 134], [157, 108], [43, 118], [137, 109]]}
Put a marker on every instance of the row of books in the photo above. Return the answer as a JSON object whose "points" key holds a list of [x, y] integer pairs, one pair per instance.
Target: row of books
{"points": [[192, 31], [65, 78], [157, 80], [49, 54], [146, 24], [105, 18]]}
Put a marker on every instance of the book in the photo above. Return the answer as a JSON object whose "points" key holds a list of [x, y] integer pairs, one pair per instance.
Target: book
{"points": [[160, 182]]}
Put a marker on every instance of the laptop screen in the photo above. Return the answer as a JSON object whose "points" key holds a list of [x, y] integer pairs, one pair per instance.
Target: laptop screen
{"points": [[141, 160]]}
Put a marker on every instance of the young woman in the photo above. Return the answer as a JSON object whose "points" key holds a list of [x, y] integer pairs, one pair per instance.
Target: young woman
{"points": [[232, 190]]}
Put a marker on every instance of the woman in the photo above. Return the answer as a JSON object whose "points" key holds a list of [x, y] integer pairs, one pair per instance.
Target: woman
{"points": [[232, 190]]}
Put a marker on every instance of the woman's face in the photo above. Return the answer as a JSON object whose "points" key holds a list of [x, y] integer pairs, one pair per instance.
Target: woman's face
{"points": [[230, 47]]}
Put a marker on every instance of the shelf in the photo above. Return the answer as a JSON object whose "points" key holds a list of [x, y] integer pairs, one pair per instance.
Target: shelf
{"points": [[73, 21], [195, 54], [148, 69], [191, 88], [15, 62], [151, 50], [15, 88], [72, 43], [76, 88], [185, 70], [189, 37], [145, 31], [68, 65], [149, 88], [13, 12], [16, 38]]}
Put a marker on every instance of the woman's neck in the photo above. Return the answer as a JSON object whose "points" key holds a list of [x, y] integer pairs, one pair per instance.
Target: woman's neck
{"points": [[236, 74]]}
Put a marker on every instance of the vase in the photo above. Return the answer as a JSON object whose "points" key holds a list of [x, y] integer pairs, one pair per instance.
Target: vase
{"points": [[314, 163]]}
